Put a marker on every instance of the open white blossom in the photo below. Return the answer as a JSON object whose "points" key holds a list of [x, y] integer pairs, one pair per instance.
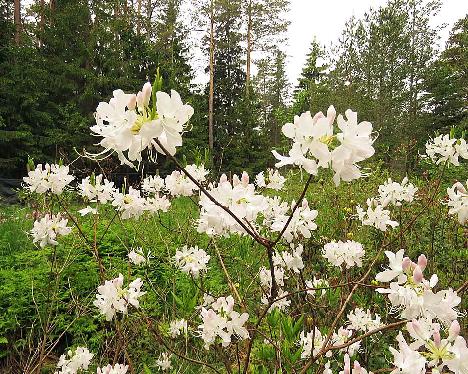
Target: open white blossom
{"points": [[458, 202], [291, 261], [153, 184], [116, 369], [178, 184], [177, 327], [223, 322], [395, 193], [375, 216], [157, 203], [342, 336], [348, 254], [129, 125], [273, 180], [46, 230], [137, 256], [97, 189], [356, 369], [131, 204], [407, 360], [164, 361], [362, 320], [191, 260], [301, 224], [112, 297], [77, 360], [317, 283], [282, 302], [445, 149], [88, 210], [53, 178], [311, 343]]}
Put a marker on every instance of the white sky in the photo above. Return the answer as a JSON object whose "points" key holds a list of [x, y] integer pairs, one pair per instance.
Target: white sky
{"points": [[325, 20]]}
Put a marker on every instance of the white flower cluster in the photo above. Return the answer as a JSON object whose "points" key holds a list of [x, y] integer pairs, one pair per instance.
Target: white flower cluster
{"points": [[290, 261], [347, 254], [53, 178], [312, 137], [221, 320], [241, 199], [164, 361], [177, 327], [116, 369], [412, 294], [127, 123], [97, 189], [429, 351], [178, 184], [138, 257], [191, 260], [362, 320], [153, 184], [317, 283], [48, 228], [443, 148], [273, 180], [395, 193], [301, 224], [311, 342], [458, 202], [375, 215], [130, 204], [113, 298], [77, 360]]}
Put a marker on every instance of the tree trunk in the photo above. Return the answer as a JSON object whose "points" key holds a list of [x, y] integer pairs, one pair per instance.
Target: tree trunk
{"points": [[211, 94], [138, 17], [41, 22], [17, 21], [249, 46]]}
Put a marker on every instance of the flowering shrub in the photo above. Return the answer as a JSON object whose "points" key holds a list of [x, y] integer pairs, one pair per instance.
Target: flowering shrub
{"points": [[266, 316]]}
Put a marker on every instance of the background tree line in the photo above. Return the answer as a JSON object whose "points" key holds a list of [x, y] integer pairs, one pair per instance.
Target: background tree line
{"points": [[59, 58]]}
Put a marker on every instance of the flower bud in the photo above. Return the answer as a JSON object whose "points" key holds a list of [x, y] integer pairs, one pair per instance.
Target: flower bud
{"points": [[416, 327], [331, 114], [454, 330], [140, 99], [317, 116], [146, 93], [422, 262], [235, 180], [357, 368], [436, 335], [132, 102], [245, 179], [406, 263], [347, 364], [417, 275], [223, 178]]}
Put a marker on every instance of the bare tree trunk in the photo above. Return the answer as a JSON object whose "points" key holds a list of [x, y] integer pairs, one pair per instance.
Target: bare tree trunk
{"points": [[138, 17], [41, 22], [249, 46], [17, 21], [211, 94]]}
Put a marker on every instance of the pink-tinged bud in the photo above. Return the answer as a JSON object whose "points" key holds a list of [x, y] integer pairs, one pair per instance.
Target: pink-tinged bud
{"points": [[146, 92], [305, 203], [235, 180], [132, 102], [436, 337], [331, 114], [416, 326], [317, 116], [417, 275], [454, 330], [406, 263], [140, 99], [245, 179], [223, 178], [422, 262], [357, 368], [347, 364]]}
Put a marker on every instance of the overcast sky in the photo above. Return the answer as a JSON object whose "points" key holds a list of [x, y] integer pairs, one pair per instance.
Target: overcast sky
{"points": [[325, 20]]}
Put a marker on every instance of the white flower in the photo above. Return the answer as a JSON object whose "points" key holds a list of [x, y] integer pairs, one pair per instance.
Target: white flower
{"points": [[128, 124], [79, 359], [157, 203], [53, 178], [290, 261], [131, 204], [164, 361], [341, 337], [459, 362], [362, 320], [178, 184], [265, 277], [112, 297], [312, 339], [137, 256], [317, 283], [47, 229], [444, 149], [395, 193], [177, 327], [223, 322], [406, 360], [97, 190], [281, 304], [191, 260], [87, 210], [458, 202], [153, 184], [395, 268], [349, 253], [301, 224], [375, 216], [274, 180], [116, 369]]}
